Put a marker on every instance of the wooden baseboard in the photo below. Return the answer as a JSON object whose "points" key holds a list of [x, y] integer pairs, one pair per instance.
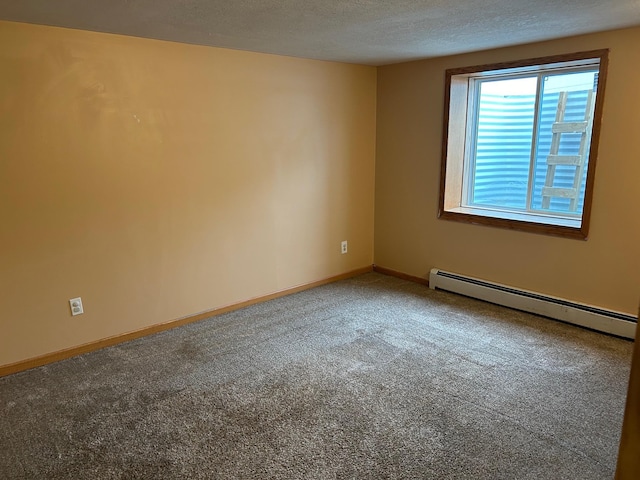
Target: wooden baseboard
{"points": [[403, 276], [110, 341]]}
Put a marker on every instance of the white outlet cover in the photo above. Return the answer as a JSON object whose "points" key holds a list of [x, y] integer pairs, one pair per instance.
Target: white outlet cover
{"points": [[344, 246], [76, 306]]}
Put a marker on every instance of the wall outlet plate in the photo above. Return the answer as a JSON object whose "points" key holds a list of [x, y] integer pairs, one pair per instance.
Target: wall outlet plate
{"points": [[344, 246], [76, 306]]}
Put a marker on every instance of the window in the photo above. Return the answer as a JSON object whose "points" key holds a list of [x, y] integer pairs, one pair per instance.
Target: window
{"points": [[520, 143]]}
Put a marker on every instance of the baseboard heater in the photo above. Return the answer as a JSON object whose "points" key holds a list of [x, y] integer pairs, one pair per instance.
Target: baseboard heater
{"points": [[607, 321]]}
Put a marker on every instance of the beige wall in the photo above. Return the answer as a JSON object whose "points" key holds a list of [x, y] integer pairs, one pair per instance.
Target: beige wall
{"points": [[603, 271], [158, 180]]}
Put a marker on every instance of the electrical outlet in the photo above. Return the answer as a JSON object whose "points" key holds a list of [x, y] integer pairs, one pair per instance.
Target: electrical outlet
{"points": [[76, 306], [344, 246]]}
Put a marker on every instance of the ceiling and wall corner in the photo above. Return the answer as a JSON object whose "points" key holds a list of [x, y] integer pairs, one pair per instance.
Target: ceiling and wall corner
{"points": [[353, 31]]}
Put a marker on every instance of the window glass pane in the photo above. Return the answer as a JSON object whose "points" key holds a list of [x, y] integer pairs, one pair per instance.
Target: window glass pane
{"points": [[567, 145], [502, 154]]}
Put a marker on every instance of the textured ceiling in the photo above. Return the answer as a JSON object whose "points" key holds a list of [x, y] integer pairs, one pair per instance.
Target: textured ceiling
{"points": [[359, 31]]}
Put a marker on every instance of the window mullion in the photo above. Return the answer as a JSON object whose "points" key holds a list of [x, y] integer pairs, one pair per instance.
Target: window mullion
{"points": [[534, 143]]}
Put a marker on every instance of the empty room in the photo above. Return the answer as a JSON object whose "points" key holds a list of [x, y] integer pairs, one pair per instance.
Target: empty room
{"points": [[319, 240]]}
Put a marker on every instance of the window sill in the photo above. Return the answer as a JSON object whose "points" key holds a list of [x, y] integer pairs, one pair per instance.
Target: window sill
{"points": [[527, 222]]}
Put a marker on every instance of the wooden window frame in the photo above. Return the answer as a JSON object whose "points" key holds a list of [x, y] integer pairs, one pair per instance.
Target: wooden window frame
{"points": [[455, 139]]}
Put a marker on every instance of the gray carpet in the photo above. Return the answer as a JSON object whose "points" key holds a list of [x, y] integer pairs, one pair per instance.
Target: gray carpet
{"points": [[371, 377]]}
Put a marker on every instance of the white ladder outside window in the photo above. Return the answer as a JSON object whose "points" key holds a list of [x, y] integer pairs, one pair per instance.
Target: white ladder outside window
{"points": [[578, 161]]}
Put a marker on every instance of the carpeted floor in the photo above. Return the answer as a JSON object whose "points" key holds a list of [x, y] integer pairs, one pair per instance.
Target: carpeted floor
{"points": [[371, 377]]}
